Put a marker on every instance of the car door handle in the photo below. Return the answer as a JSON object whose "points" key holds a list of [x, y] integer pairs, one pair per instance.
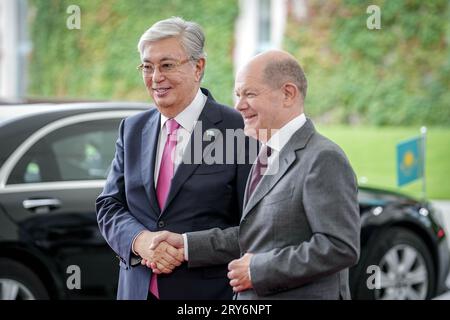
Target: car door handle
{"points": [[32, 204]]}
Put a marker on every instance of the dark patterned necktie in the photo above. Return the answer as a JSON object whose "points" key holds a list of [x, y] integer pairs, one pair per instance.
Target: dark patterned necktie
{"points": [[259, 169]]}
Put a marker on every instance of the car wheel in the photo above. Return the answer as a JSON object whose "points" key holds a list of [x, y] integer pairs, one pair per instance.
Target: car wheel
{"points": [[17, 282], [397, 266]]}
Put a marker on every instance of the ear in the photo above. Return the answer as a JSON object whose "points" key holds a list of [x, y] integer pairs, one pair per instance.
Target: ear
{"points": [[199, 68], [290, 93]]}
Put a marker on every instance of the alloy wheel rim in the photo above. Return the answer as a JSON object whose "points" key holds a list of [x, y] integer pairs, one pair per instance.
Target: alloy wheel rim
{"points": [[403, 275], [11, 289]]}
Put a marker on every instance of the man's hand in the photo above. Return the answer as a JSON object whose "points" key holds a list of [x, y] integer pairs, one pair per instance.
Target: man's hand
{"points": [[239, 273], [175, 240], [164, 257]]}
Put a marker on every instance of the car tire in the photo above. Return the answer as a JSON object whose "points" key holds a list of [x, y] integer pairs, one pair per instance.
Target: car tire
{"points": [[17, 282], [404, 265]]}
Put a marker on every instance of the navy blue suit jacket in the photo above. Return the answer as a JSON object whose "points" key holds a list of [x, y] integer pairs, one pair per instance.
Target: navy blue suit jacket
{"points": [[202, 196]]}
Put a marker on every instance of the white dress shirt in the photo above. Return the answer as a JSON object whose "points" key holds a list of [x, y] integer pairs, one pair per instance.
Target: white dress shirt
{"points": [[280, 139], [187, 120]]}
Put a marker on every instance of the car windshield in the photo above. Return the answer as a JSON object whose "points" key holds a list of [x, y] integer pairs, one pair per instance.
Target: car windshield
{"points": [[378, 197]]}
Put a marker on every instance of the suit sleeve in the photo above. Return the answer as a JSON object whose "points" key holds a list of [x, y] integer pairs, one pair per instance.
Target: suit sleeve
{"points": [[117, 225], [330, 202], [213, 246]]}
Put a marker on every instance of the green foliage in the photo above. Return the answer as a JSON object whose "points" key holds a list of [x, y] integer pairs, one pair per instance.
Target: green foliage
{"points": [[399, 74], [99, 60]]}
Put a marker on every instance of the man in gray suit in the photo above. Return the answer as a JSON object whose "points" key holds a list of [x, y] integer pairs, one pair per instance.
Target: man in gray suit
{"points": [[299, 232]]}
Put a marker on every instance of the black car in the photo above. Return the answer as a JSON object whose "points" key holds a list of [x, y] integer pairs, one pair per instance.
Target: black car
{"points": [[53, 164]]}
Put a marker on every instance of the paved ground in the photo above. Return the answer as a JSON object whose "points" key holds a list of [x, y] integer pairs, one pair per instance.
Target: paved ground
{"points": [[444, 207]]}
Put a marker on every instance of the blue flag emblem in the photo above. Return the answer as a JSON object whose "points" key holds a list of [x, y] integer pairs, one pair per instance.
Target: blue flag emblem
{"points": [[409, 161]]}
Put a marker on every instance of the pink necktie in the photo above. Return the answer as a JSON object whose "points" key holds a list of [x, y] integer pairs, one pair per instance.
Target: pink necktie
{"points": [[167, 163], [165, 176]]}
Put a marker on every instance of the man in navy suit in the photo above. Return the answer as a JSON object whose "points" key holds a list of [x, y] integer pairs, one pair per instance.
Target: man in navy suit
{"points": [[160, 179]]}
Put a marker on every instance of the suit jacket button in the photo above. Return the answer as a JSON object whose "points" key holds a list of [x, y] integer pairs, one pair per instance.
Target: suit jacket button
{"points": [[161, 224]]}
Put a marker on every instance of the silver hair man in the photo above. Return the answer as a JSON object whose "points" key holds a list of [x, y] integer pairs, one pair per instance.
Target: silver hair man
{"points": [[189, 33]]}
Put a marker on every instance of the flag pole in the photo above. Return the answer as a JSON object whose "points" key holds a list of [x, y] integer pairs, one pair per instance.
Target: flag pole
{"points": [[423, 131]]}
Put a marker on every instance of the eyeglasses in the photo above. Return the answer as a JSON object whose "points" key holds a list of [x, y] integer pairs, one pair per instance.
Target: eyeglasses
{"points": [[165, 67]]}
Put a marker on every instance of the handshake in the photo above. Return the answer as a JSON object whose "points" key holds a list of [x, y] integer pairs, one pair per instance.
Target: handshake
{"points": [[163, 251]]}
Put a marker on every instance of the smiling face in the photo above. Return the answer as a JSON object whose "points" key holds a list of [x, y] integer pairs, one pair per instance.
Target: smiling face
{"points": [[172, 91], [260, 105], [268, 94]]}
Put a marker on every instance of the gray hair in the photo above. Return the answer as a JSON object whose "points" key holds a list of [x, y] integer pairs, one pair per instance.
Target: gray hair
{"points": [[189, 33], [278, 72]]}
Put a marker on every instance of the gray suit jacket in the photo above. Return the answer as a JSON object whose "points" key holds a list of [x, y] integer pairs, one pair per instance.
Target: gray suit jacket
{"points": [[302, 224]]}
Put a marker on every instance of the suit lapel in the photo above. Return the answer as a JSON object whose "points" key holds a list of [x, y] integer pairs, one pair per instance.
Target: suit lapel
{"points": [[208, 119], [247, 185], [149, 146], [268, 181], [250, 174], [286, 157]]}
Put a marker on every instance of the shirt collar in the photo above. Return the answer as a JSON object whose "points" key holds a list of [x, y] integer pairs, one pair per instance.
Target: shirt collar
{"points": [[282, 136], [188, 117]]}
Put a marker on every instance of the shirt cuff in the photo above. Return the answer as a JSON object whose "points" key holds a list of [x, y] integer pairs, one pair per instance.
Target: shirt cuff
{"points": [[132, 244], [185, 243], [249, 270]]}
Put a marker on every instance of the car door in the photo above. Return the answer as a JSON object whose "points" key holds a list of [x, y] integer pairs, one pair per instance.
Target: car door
{"points": [[50, 193]]}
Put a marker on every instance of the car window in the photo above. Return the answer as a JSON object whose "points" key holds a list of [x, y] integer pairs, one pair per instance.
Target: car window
{"points": [[82, 151]]}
